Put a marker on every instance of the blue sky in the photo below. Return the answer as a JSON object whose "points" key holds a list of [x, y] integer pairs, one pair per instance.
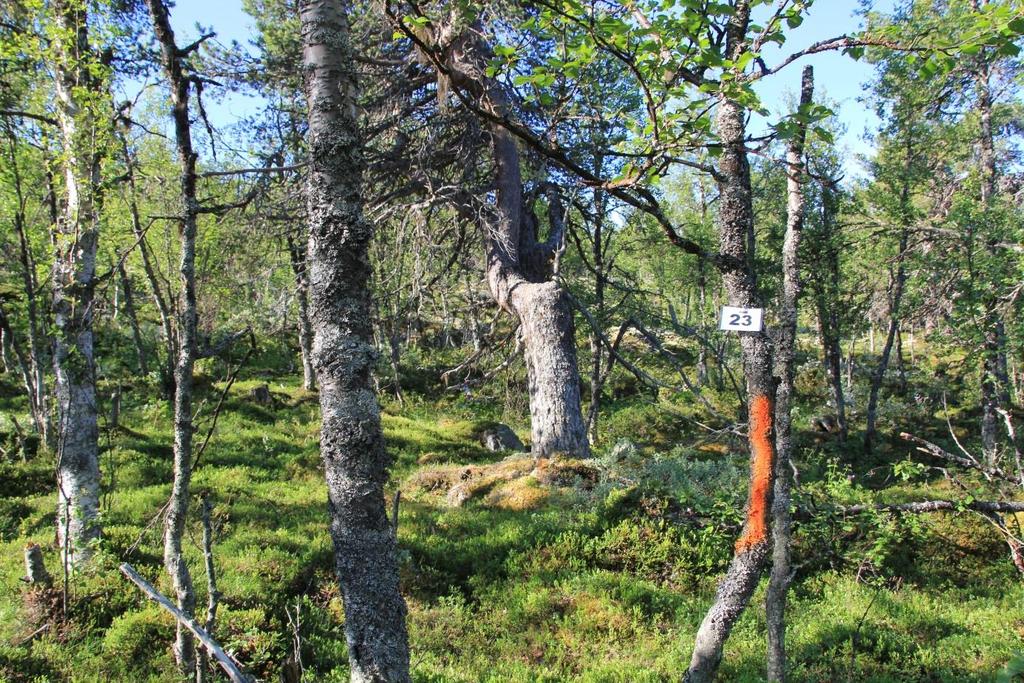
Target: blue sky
{"points": [[837, 76]]}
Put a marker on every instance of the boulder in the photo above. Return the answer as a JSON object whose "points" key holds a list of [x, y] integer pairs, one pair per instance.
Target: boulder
{"points": [[501, 438], [260, 395]]}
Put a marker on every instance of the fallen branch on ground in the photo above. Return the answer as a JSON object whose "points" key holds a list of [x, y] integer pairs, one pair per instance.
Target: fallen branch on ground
{"points": [[938, 506], [215, 650]]}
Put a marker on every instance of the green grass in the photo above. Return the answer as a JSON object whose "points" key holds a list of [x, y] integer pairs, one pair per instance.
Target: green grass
{"points": [[603, 584]]}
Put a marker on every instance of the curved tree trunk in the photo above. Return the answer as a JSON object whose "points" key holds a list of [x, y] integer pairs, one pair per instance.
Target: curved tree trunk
{"points": [[545, 315], [520, 268], [76, 235], [352, 441]]}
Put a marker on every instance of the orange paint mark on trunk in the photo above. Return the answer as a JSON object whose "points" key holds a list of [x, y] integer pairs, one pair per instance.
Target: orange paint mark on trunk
{"points": [[762, 414]]}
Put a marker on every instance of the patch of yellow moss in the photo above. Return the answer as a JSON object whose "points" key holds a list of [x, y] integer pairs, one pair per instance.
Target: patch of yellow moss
{"points": [[517, 495], [515, 483]]}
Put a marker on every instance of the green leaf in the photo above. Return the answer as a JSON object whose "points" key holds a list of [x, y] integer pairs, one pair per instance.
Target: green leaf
{"points": [[1008, 50]]}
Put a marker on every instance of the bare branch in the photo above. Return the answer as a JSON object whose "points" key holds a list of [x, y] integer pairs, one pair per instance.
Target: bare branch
{"points": [[215, 650]]}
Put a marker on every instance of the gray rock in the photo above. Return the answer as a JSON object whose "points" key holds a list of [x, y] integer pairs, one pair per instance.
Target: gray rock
{"points": [[260, 395], [501, 438], [623, 451]]}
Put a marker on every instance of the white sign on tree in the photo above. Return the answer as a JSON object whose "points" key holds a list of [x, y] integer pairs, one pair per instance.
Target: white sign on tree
{"points": [[741, 319]]}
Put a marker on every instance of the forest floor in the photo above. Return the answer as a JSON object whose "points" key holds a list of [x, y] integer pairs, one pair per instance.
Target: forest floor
{"points": [[599, 576]]}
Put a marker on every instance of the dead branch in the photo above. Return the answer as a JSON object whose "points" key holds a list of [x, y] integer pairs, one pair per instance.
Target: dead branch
{"points": [[984, 506], [215, 650], [937, 451]]}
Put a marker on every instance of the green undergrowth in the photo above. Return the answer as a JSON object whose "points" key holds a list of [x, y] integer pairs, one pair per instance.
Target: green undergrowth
{"points": [[602, 580]]}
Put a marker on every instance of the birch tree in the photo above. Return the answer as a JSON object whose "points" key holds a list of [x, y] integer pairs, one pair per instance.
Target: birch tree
{"points": [[75, 239]]}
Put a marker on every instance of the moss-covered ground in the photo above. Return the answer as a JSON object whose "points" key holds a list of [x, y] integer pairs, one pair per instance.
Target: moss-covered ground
{"points": [[581, 580]]}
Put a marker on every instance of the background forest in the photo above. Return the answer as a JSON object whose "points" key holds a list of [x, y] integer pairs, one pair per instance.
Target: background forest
{"points": [[414, 370]]}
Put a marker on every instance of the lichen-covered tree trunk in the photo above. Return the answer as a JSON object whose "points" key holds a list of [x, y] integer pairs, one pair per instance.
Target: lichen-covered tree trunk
{"points": [[549, 347], [735, 236], [75, 239], [351, 438], [519, 278], [785, 366], [177, 506]]}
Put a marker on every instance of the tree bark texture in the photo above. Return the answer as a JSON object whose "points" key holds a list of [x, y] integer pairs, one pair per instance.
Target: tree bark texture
{"points": [[785, 366], [735, 233], [735, 227], [177, 508], [75, 239], [341, 313]]}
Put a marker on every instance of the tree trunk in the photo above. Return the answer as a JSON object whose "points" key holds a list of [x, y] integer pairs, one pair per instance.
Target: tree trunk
{"points": [[133, 320], [901, 366], [76, 235], [785, 362], [177, 507], [702, 352], [473, 319], [596, 350], [995, 382], [735, 229], [896, 284], [352, 441], [10, 343], [520, 270], [829, 303], [298, 261], [549, 345], [156, 289], [35, 384], [5, 349]]}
